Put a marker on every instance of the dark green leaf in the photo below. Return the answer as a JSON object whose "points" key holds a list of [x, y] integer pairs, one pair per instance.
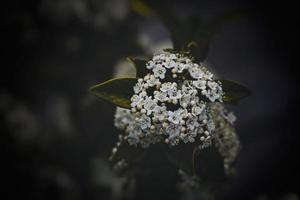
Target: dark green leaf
{"points": [[209, 165], [117, 91], [206, 163], [181, 157], [198, 49], [191, 29], [182, 31], [141, 8], [232, 16], [140, 66], [233, 91]]}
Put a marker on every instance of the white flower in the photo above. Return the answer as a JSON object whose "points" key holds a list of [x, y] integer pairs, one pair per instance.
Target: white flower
{"points": [[122, 118], [182, 112], [171, 64], [174, 117], [188, 89], [207, 75], [135, 99], [173, 129], [211, 95], [184, 102], [152, 81], [174, 94], [138, 87], [134, 130], [156, 57], [150, 65], [144, 122], [189, 100], [210, 126], [192, 123], [159, 71], [180, 67], [160, 112], [149, 105], [133, 139], [200, 84], [197, 110], [213, 98], [230, 118], [203, 117], [165, 87], [195, 71], [212, 85], [173, 56], [161, 96]]}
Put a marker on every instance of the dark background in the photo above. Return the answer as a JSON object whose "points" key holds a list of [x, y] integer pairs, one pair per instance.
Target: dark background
{"points": [[52, 130]]}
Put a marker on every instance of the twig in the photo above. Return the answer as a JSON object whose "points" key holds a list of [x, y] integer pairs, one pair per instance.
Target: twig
{"points": [[193, 159]]}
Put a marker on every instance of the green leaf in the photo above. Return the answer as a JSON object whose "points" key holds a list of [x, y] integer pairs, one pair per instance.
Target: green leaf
{"points": [[233, 91], [182, 31], [181, 157], [193, 29], [209, 165], [140, 66], [117, 91], [206, 163], [198, 49], [141, 8]]}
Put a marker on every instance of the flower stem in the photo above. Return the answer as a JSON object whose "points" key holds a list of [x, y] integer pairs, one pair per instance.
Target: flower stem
{"points": [[194, 159]]}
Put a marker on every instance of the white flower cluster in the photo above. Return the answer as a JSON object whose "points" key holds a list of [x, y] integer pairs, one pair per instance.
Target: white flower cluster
{"points": [[171, 103], [225, 139]]}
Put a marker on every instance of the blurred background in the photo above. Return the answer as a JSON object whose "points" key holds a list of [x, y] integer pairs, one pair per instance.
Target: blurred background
{"points": [[56, 138]]}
